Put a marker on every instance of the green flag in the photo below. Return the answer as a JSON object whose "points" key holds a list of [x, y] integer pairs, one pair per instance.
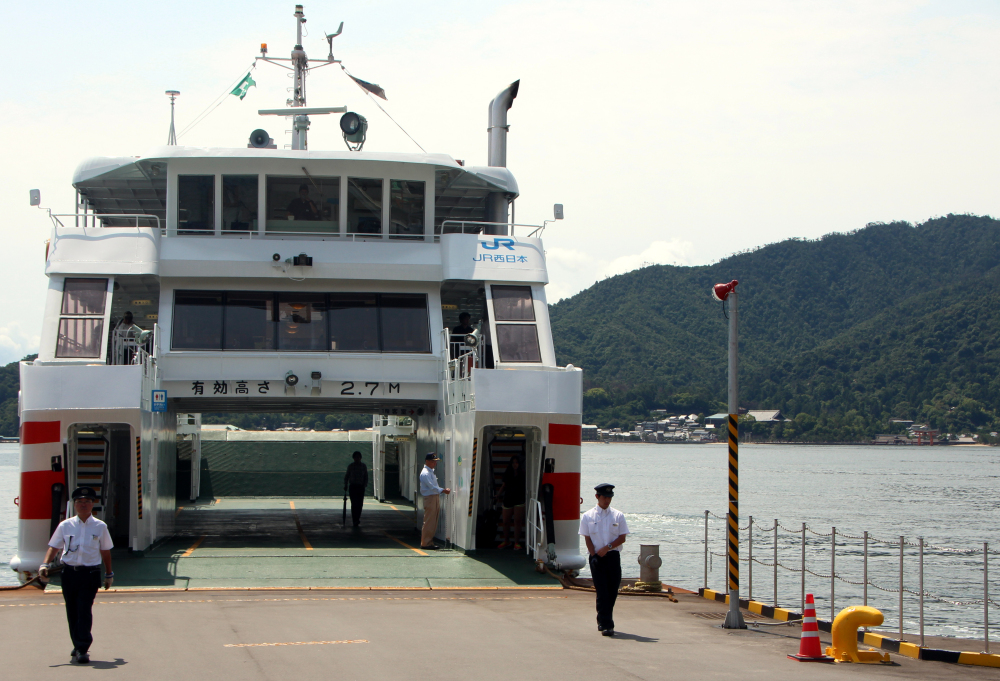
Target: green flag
{"points": [[241, 89]]}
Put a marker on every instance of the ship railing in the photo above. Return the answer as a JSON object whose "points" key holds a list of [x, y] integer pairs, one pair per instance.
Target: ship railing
{"points": [[146, 357], [306, 234], [478, 227], [460, 361], [90, 219]]}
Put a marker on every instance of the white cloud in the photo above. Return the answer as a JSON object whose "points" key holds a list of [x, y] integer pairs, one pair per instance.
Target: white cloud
{"points": [[15, 343]]}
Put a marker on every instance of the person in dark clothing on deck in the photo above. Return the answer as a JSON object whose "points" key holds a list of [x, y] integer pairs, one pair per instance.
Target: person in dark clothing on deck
{"points": [[355, 484], [512, 496]]}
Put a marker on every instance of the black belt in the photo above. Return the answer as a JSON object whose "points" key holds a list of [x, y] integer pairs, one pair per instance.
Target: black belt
{"points": [[82, 568]]}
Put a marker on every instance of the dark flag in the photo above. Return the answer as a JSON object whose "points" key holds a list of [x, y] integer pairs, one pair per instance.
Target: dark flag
{"points": [[371, 87]]}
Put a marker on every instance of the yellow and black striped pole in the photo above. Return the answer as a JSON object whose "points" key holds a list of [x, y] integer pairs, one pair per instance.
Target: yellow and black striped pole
{"points": [[734, 620]]}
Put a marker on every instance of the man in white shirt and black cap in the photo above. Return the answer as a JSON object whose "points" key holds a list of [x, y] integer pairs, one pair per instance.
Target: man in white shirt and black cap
{"points": [[430, 490], [85, 544], [604, 529]]}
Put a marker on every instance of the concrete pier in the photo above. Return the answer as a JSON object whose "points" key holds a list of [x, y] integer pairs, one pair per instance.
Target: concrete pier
{"points": [[388, 633]]}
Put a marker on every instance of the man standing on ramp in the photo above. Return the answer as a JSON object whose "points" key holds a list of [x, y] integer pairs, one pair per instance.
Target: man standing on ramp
{"points": [[355, 484], [604, 528], [430, 491]]}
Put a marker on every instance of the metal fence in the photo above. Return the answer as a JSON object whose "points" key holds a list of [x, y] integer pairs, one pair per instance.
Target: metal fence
{"points": [[848, 545]]}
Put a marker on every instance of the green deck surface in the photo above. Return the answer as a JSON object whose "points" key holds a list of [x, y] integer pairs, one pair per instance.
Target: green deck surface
{"points": [[254, 543]]}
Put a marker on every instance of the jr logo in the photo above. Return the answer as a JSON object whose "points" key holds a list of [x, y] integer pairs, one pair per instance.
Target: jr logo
{"points": [[497, 243]]}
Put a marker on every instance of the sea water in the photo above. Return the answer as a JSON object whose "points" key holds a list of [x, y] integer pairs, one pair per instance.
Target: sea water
{"points": [[947, 495]]}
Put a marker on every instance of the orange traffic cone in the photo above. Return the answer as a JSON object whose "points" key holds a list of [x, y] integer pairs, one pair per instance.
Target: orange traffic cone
{"points": [[809, 650]]}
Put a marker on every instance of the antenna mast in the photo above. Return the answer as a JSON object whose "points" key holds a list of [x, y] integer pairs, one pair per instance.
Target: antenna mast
{"points": [[172, 135], [300, 124], [300, 67]]}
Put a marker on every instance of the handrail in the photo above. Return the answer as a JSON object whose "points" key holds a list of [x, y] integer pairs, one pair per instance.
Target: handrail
{"points": [[255, 234], [536, 526], [102, 216], [512, 225]]}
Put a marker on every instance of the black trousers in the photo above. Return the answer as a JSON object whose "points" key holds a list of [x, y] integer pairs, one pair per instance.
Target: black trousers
{"points": [[607, 574], [79, 587], [357, 493]]}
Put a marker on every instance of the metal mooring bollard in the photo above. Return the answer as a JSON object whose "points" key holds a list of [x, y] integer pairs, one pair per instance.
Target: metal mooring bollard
{"points": [[649, 567]]}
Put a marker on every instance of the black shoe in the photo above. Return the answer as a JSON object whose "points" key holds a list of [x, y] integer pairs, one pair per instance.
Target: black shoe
{"points": [[608, 632], [432, 547], [83, 658], [72, 656], [600, 627]]}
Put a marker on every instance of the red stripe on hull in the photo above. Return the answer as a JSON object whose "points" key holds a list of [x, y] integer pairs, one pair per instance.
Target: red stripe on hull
{"points": [[36, 493], [39, 432], [565, 434], [565, 496]]}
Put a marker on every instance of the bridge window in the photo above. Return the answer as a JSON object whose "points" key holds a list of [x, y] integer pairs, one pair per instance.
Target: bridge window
{"points": [[249, 320], [404, 322], [364, 206], [354, 322], [517, 342], [239, 203], [84, 296], [302, 321], [406, 217], [195, 203], [81, 328], [306, 322], [303, 204], [197, 320]]}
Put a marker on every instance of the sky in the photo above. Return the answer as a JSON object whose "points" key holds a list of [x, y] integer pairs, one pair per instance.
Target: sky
{"points": [[672, 132]]}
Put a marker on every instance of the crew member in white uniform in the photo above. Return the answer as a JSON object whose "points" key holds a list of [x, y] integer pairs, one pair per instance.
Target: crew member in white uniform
{"points": [[430, 490], [604, 529], [85, 543]]}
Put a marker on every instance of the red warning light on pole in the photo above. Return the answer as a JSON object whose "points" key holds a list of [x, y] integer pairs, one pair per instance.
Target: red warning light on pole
{"points": [[721, 291]]}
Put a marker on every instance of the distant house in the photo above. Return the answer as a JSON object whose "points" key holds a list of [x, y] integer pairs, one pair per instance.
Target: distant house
{"points": [[588, 433], [774, 416], [717, 419]]}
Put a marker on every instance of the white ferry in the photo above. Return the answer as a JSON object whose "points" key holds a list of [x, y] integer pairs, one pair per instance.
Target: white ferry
{"points": [[295, 280]]}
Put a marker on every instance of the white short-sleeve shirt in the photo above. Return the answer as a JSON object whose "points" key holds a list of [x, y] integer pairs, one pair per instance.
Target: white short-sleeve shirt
{"points": [[603, 526], [81, 542]]}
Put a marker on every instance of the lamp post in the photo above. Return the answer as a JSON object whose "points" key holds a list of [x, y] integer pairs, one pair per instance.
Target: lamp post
{"points": [[734, 619]]}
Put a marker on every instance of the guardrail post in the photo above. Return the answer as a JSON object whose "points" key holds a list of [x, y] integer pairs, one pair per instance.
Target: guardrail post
{"points": [[902, 544], [706, 549], [776, 562], [750, 560], [833, 572], [986, 596], [866, 567], [802, 605], [921, 580]]}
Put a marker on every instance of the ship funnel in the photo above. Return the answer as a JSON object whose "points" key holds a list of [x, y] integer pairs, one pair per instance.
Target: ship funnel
{"points": [[498, 125]]}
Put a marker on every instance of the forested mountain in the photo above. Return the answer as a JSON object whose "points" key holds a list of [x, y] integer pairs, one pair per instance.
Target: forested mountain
{"points": [[848, 331], [841, 334]]}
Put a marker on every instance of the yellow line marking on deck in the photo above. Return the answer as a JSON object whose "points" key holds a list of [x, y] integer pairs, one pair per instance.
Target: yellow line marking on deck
{"points": [[194, 546], [295, 643], [298, 526], [400, 541], [178, 511]]}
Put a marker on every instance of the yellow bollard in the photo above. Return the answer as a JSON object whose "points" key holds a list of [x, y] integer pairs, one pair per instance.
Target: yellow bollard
{"points": [[845, 635]]}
